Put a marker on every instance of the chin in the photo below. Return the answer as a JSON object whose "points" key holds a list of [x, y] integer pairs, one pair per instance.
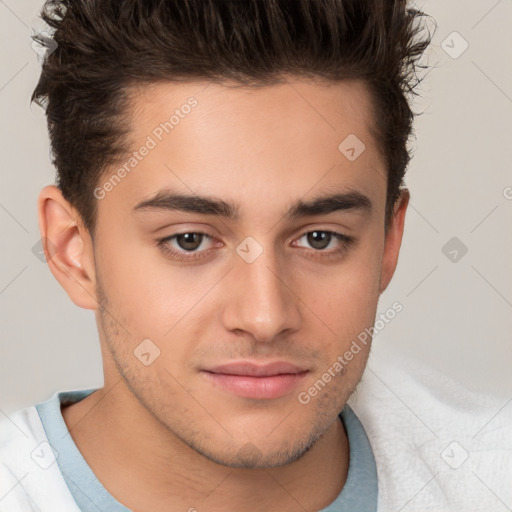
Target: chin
{"points": [[256, 456]]}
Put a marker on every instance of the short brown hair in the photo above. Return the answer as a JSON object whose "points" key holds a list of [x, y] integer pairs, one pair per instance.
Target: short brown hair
{"points": [[106, 46]]}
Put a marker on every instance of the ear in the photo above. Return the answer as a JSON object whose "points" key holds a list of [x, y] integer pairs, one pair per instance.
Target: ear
{"points": [[67, 247], [393, 239]]}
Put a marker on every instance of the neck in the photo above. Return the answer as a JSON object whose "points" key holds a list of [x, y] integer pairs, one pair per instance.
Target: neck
{"points": [[123, 443]]}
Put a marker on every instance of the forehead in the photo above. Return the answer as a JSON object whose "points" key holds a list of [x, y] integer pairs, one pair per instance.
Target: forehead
{"points": [[272, 141], [326, 107]]}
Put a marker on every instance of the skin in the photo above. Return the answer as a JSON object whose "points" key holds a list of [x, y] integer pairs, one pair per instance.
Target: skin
{"points": [[186, 442]]}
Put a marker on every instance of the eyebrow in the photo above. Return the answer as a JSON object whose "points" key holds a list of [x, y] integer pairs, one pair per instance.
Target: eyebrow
{"points": [[173, 201]]}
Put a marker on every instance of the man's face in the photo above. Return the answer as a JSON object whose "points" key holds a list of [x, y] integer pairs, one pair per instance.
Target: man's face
{"points": [[263, 286]]}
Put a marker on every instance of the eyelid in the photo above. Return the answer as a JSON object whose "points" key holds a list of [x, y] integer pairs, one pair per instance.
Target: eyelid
{"points": [[335, 234], [187, 232]]}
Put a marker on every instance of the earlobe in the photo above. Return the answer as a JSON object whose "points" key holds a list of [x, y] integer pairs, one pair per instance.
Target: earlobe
{"points": [[67, 246], [394, 240]]}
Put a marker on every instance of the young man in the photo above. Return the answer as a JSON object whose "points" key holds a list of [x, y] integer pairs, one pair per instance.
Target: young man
{"points": [[230, 204]]}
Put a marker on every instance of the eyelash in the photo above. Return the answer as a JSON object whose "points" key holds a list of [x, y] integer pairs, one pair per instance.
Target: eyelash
{"points": [[163, 244]]}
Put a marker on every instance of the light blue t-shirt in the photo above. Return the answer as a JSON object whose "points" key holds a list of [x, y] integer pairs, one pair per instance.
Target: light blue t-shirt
{"points": [[359, 494]]}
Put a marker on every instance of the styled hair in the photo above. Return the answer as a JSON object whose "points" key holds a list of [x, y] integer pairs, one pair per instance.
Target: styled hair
{"points": [[103, 48]]}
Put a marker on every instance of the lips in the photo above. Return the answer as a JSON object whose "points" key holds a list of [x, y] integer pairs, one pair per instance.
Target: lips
{"points": [[255, 370], [250, 380]]}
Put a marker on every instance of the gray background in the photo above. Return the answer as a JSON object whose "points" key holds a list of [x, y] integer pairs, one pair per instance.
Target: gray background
{"points": [[457, 315]]}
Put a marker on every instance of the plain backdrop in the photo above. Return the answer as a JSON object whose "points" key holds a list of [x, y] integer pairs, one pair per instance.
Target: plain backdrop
{"points": [[454, 277]]}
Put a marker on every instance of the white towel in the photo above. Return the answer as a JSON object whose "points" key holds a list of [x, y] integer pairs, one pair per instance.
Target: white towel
{"points": [[25, 484], [438, 446]]}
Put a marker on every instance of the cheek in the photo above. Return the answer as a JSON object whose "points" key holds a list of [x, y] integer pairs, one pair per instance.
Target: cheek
{"points": [[156, 299], [153, 294], [346, 297], [346, 302]]}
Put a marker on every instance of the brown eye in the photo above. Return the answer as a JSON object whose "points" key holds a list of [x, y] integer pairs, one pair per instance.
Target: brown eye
{"points": [[189, 241], [319, 239], [186, 246], [325, 244], [323, 239]]}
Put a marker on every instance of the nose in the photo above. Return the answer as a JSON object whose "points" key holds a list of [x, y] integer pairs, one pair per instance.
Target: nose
{"points": [[262, 302]]}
